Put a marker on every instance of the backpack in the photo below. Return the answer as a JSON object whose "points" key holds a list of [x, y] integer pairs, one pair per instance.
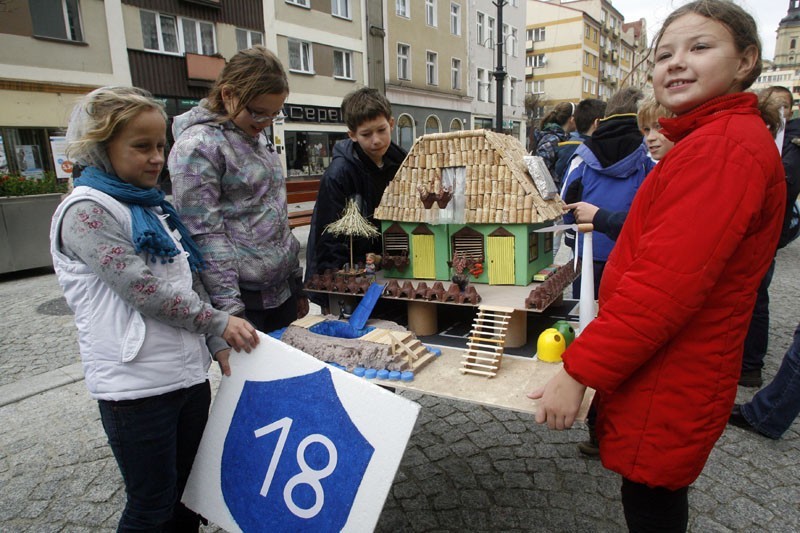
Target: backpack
{"points": [[791, 217]]}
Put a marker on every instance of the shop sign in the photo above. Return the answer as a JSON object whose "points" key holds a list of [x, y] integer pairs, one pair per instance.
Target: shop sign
{"points": [[311, 113]]}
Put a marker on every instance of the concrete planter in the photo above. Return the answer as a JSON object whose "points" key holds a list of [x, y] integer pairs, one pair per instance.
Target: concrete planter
{"points": [[25, 231]]}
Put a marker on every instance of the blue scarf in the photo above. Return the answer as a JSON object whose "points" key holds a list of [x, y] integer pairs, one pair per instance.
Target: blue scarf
{"points": [[148, 233]]}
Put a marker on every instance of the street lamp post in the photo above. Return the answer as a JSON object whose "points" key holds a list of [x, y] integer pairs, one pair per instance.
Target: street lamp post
{"points": [[499, 72]]}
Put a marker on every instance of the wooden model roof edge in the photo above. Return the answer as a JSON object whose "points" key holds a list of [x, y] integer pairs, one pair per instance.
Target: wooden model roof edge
{"points": [[401, 203]]}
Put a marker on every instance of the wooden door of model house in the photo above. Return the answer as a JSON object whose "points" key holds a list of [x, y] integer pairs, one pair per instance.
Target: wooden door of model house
{"points": [[423, 260], [500, 252]]}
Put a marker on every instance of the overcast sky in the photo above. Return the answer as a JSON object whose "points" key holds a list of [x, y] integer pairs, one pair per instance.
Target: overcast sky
{"points": [[768, 13]]}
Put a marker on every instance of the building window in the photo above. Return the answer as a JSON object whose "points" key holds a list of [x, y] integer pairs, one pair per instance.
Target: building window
{"points": [[301, 58], [159, 32], [401, 8], [538, 111], [343, 64], [432, 125], [536, 87], [490, 32], [483, 123], [405, 131], [301, 3], [513, 43], [431, 68], [482, 85], [481, 28], [492, 88], [537, 34], [198, 37], [456, 125], [430, 12], [309, 153], [455, 19], [535, 61], [248, 38], [793, 44], [59, 19], [455, 74], [403, 67], [340, 8], [512, 90]]}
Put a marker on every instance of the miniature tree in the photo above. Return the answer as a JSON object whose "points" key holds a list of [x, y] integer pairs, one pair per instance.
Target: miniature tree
{"points": [[352, 224]]}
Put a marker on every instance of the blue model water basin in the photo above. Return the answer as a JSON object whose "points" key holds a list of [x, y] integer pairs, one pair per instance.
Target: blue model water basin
{"points": [[338, 329]]}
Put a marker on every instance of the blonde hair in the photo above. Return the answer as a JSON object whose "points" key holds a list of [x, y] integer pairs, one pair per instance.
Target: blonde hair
{"points": [[650, 111], [99, 116], [249, 73]]}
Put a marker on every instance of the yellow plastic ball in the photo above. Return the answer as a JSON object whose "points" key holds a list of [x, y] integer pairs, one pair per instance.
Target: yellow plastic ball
{"points": [[550, 346]]}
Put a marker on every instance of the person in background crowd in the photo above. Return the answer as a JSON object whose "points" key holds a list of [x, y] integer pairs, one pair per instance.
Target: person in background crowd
{"points": [[757, 340], [588, 113], [557, 125]]}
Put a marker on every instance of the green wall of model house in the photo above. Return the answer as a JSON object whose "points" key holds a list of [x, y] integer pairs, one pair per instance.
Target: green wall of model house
{"points": [[522, 233]]}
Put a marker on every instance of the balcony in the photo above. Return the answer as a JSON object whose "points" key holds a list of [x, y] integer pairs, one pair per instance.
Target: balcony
{"points": [[529, 45], [614, 56], [529, 71], [615, 33], [201, 71], [604, 53]]}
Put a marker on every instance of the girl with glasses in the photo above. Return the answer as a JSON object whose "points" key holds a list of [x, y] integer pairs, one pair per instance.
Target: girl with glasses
{"points": [[229, 186]]}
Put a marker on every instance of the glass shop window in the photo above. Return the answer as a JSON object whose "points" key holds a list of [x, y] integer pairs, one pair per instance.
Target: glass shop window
{"points": [[309, 153]]}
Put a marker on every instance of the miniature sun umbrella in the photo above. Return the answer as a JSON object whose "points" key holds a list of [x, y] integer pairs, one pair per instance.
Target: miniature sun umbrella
{"points": [[352, 224]]}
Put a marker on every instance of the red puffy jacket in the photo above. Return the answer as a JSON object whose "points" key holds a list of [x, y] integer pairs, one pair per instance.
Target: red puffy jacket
{"points": [[665, 350]]}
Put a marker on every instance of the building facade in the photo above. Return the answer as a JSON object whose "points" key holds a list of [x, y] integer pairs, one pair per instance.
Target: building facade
{"points": [[787, 43], [486, 33], [427, 79], [51, 53]]}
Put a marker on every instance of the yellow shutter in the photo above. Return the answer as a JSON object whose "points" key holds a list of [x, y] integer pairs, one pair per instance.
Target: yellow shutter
{"points": [[501, 260], [424, 260]]}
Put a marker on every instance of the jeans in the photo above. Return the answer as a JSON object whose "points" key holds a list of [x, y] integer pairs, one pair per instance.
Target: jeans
{"points": [[773, 409], [155, 440], [656, 509], [755, 344]]}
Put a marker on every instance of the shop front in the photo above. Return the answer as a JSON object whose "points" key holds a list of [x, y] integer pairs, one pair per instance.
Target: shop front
{"points": [[306, 139]]}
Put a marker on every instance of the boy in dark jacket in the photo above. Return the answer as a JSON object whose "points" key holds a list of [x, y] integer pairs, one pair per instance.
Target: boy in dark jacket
{"points": [[588, 113], [362, 167]]}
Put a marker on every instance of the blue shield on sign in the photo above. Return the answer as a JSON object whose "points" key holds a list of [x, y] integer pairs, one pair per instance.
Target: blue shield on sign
{"points": [[293, 459]]}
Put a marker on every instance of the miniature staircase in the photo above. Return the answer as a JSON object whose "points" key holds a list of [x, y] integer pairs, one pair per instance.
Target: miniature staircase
{"points": [[486, 341], [404, 346]]}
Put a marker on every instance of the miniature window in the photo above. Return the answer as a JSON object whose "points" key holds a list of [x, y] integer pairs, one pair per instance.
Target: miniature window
{"points": [[468, 242], [548, 242], [533, 246], [395, 241]]}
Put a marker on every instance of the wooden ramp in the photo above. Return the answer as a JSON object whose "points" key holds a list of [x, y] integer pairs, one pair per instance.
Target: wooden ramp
{"points": [[487, 340]]}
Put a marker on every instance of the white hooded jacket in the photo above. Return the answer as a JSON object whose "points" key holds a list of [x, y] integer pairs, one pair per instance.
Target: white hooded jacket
{"points": [[125, 354]]}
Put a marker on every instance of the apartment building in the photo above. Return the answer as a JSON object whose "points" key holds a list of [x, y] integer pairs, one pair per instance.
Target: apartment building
{"points": [[562, 55], [329, 48], [578, 49], [427, 62], [486, 34], [51, 53]]}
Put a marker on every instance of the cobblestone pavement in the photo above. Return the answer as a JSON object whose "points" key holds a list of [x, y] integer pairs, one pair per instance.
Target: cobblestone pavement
{"points": [[466, 468]]}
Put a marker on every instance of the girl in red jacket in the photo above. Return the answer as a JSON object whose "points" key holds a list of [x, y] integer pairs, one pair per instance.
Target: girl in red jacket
{"points": [[665, 350]]}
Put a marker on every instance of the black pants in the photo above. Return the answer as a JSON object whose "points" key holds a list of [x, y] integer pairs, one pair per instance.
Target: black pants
{"points": [[757, 340], [267, 320], [651, 510]]}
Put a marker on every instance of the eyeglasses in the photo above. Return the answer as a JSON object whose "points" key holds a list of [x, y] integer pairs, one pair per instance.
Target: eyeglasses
{"points": [[260, 119]]}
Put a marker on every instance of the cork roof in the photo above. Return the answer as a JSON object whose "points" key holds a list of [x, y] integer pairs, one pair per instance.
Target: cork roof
{"points": [[497, 187]]}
